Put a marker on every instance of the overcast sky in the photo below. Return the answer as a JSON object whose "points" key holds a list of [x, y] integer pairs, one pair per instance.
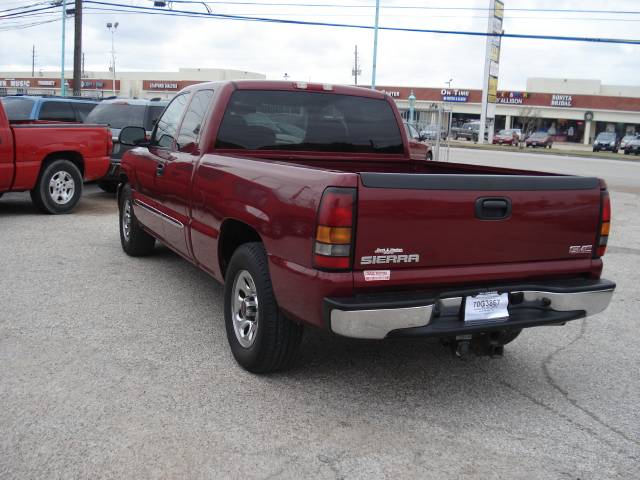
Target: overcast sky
{"points": [[153, 42]]}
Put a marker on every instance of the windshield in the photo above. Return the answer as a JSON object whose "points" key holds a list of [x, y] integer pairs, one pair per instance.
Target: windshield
{"points": [[310, 121], [606, 136], [472, 126], [505, 132], [539, 134], [117, 115], [17, 108]]}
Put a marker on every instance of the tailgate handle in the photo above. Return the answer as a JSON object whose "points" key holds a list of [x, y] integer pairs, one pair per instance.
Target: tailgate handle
{"points": [[492, 208]]}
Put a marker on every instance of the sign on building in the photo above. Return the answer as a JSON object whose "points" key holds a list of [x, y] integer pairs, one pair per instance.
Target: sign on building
{"points": [[454, 95], [561, 101]]}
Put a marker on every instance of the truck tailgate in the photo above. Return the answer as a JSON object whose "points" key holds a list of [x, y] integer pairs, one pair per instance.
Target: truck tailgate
{"points": [[433, 220]]}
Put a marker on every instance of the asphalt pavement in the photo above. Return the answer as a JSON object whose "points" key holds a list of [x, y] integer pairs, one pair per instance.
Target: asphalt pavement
{"points": [[113, 367]]}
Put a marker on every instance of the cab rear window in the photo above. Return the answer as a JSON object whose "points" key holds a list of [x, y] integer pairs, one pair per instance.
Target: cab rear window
{"points": [[309, 121], [117, 115], [17, 108]]}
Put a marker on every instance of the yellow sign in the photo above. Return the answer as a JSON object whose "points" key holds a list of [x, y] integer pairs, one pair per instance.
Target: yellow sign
{"points": [[493, 89], [494, 55], [498, 10]]}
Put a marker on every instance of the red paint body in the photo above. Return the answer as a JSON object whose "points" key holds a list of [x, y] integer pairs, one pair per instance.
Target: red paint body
{"points": [[24, 147], [276, 194]]}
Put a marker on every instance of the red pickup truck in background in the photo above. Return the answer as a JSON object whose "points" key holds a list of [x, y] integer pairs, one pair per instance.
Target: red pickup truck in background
{"points": [[52, 160], [304, 200]]}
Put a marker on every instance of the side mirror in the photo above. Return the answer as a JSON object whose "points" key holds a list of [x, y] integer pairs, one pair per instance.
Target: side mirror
{"points": [[132, 136]]}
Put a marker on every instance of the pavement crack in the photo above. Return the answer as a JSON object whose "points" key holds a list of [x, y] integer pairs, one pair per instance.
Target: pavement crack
{"points": [[565, 417], [553, 383]]}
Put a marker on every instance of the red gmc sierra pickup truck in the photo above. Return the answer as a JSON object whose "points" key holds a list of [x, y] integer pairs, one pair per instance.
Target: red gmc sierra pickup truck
{"points": [[52, 160], [304, 200]]}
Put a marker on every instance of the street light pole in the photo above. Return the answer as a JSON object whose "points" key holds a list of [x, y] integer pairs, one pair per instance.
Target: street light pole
{"points": [[112, 28], [412, 106], [375, 46], [63, 88]]}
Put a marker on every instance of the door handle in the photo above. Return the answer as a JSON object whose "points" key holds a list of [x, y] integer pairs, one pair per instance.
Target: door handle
{"points": [[160, 169], [493, 208]]}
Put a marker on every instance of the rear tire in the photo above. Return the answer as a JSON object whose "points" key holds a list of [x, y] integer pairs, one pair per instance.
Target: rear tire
{"points": [[108, 186], [134, 240], [261, 338], [59, 188]]}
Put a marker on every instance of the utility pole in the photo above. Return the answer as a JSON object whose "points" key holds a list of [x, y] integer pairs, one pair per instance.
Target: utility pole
{"points": [[356, 67], [77, 50], [33, 61], [63, 88], [83, 74], [375, 46]]}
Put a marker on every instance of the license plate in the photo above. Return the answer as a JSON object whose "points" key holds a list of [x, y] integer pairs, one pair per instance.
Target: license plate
{"points": [[486, 306]]}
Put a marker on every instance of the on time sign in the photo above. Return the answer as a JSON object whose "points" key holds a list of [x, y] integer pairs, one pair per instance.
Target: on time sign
{"points": [[458, 96]]}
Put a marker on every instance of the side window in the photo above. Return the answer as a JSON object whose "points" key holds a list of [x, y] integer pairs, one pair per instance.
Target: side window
{"points": [[167, 127], [192, 123], [152, 116], [57, 111], [83, 110]]}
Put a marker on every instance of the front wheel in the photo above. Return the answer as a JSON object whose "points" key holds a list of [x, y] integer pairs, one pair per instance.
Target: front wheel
{"points": [[261, 338], [59, 188], [134, 240]]}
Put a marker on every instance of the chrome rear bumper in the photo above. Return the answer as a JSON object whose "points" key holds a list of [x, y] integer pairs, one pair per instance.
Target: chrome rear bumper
{"points": [[441, 312]]}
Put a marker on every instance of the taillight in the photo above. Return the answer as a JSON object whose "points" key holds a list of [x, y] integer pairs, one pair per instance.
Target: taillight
{"points": [[605, 224], [333, 245]]}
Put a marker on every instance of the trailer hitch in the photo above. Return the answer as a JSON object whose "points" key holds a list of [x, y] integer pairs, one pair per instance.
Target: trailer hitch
{"points": [[480, 345]]}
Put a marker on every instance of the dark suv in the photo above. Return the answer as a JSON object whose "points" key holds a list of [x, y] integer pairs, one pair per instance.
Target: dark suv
{"points": [[469, 131], [117, 114]]}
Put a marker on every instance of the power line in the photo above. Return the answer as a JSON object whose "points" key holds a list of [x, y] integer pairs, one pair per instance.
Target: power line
{"points": [[411, 7], [9, 15], [153, 11], [408, 15]]}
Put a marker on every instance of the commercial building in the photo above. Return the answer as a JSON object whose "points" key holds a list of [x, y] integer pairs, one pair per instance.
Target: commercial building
{"points": [[126, 84], [570, 110]]}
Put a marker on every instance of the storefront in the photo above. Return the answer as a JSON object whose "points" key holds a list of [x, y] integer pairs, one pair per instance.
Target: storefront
{"points": [[567, 117]]}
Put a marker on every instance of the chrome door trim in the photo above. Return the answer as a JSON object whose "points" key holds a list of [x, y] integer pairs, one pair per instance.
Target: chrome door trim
{"points": [[158, 213]]}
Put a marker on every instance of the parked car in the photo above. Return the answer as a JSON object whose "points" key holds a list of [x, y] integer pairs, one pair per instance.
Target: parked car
{"points": [[28, 108], [419, 147], [633, 146], [539, 139], [117, 114], [469, 131], [344, 231], [506, 137], [606, 141], [626, 139], [51, 160], [430, 132]]}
